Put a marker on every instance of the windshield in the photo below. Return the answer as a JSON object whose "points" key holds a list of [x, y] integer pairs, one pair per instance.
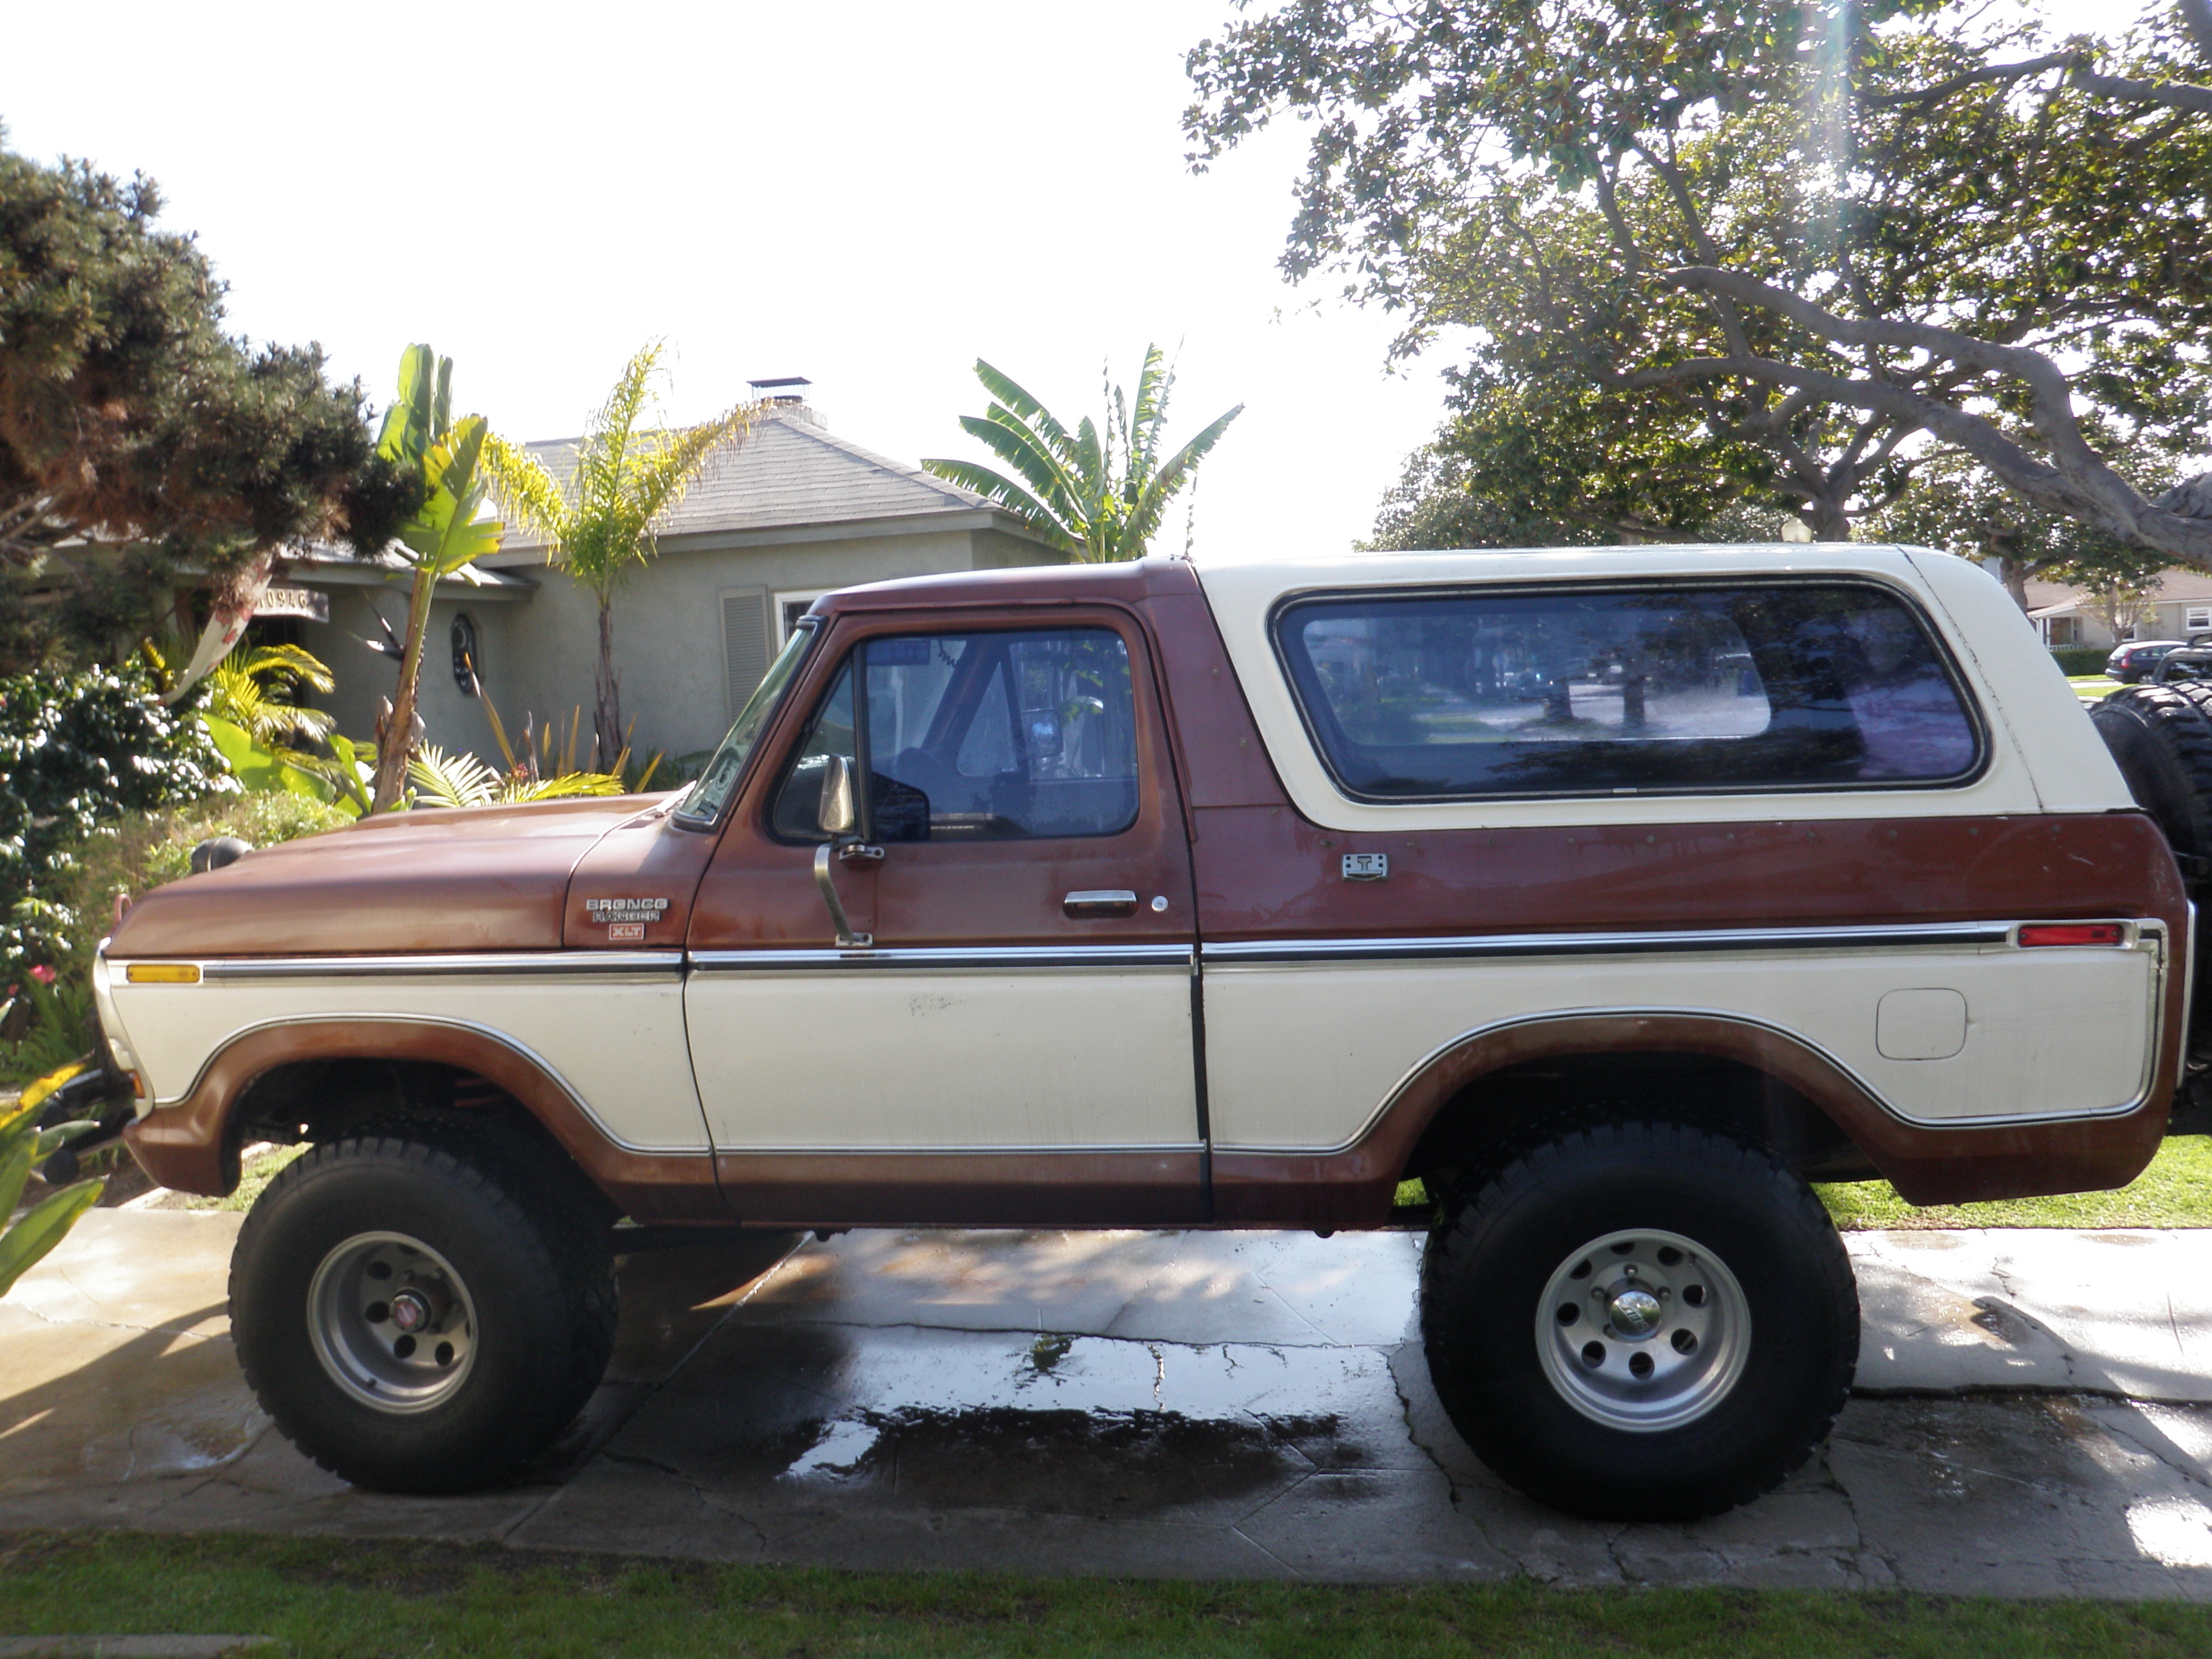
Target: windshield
{"points": [[712, 793]]}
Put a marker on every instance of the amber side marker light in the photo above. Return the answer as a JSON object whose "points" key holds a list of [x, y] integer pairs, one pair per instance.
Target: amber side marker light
{"points": [[162, 973], [2074, 933]]}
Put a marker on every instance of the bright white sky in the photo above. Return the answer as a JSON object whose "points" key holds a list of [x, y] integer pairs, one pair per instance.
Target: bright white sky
{"points": [[871, 194]]}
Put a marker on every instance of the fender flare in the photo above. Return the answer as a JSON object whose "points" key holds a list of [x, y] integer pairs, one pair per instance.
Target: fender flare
{"points": [[190, 1145], [1351, 1187]]}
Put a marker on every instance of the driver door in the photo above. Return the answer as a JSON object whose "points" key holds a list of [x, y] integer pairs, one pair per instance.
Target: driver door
{"points": [[1014, 1043]]}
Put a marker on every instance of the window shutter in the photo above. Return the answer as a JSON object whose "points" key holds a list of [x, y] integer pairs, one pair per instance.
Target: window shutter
{"points": [[744, 642]]}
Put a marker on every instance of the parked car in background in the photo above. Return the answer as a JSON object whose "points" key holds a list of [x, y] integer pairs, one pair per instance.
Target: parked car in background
{"points": [[2134, 659], [2191, 662]]}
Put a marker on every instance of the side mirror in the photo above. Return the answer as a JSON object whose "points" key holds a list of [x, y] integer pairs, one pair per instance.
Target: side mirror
{"points": [[837, 817], [836, 814]]}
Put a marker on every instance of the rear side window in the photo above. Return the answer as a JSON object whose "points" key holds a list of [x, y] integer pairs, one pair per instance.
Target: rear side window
{"points": [[1573, 691]]}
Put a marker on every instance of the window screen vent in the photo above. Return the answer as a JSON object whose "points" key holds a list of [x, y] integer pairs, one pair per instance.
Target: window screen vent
{"points": [[744, 642]]}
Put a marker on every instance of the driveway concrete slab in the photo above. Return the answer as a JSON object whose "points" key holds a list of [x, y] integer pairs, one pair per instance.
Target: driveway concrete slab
{"points": [[2034, 1417], [2124, 1313]]}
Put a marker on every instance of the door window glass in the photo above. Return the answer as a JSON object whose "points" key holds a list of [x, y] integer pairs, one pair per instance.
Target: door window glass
{"points": [[979, 737], [712, 793], [1774, 687]]}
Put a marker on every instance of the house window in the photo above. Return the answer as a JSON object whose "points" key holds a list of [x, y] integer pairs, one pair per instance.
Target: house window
{"points": [[2065, 630], [468, 660], [2198, 618], [790, 606]]}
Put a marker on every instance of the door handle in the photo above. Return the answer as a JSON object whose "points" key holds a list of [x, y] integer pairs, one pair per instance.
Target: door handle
{"points": [[1100, 901]]}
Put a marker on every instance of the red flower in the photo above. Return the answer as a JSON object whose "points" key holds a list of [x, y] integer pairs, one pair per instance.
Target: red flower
{"points": [[43, 974]]}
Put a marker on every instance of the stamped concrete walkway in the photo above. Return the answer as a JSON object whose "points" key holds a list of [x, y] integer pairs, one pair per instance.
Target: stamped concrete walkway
{"points": [[2033, 1417]]}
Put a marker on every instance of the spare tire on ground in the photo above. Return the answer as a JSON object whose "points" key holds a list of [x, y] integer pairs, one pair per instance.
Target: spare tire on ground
{"points": [[2161, 737]]}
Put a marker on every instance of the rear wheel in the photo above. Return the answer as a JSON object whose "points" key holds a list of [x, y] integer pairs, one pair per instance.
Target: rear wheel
{"points": [[417, 1311], [1640, 1321]]}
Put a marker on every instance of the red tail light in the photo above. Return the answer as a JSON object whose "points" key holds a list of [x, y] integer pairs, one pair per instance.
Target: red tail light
{"points": [[2074, 933]]}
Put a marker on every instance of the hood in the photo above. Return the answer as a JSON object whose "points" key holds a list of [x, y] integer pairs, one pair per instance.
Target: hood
{"points": [[481, 878]]}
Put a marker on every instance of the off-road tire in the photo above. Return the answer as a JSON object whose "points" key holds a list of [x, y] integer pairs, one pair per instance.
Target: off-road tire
{"points": [[536, 1271], [1495, 1253], [2160, 738]]}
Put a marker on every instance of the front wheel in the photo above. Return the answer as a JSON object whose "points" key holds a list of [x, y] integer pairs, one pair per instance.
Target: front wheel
{"points": [[1640, 1321], [422, 1310]]}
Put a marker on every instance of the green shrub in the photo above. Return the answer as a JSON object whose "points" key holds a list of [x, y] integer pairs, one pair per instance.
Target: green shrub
{"points": [[80, 751], [133, 856], [2081, 659], [142, 852]]}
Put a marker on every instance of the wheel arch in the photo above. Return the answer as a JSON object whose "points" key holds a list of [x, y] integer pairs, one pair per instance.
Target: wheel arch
{"points": [[273, 1075], [1479, 1093], [1457, 1106]]}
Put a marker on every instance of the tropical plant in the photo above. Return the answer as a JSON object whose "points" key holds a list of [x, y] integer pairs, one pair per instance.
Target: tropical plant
{"points": [[450, 529], [53, 1010], [79, 751], [1098, 495], [22, 1145], [598, 518], [254, 687], [462, 780]]}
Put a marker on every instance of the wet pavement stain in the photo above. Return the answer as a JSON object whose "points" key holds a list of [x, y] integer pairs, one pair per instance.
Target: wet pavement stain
{"points": [[1099, 1463]]}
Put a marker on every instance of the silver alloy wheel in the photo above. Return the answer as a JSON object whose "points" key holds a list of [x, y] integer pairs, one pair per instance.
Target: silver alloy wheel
{"points": [[1643, 1330], [392, 1322]]}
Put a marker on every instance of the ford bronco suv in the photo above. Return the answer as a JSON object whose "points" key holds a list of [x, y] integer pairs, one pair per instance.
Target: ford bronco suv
{"points": [[1610, 895]]}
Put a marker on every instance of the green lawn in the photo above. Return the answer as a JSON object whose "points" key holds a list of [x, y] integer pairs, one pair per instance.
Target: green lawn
{"points": [[2175, 1191], [2091, 687], [355, 1596]]}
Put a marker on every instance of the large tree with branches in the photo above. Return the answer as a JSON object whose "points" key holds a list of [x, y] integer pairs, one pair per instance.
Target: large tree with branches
{"points": [[1808, 247], [142, 448]]}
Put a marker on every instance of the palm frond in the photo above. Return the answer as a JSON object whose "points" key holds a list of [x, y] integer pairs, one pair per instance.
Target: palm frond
{"points": [[566, 786], [1047, 475], [1154, 383], [1145, 518], [1002, 388], [525, 489], [263, 661], [669, 468], [448, 779], [1007, 494]]}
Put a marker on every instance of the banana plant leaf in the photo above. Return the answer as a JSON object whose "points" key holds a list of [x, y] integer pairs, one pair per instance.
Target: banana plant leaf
{"points": [[43, 1226], [260, 768]]}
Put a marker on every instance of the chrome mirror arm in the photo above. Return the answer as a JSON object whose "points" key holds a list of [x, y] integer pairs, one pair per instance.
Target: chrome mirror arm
{"points": [[847, 939]]}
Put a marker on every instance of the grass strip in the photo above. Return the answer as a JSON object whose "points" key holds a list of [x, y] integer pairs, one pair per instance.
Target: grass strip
{"points": [[2175, 1191], [364, 1597]]}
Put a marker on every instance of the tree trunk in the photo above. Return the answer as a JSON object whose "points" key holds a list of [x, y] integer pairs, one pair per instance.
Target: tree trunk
{"points": [[395, 735], [606, 714], [1828, 521], [2014, 574]]}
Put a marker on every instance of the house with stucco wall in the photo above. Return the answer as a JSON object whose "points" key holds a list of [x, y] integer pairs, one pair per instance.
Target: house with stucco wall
{"points": [[2174, 605], [774, 522]]}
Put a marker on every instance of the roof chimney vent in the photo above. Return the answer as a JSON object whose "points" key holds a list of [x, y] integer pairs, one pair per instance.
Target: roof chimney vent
{"points": [[785, 391]]}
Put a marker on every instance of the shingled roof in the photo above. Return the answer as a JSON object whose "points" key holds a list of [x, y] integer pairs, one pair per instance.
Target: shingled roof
{"points": [[789, 470]]}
